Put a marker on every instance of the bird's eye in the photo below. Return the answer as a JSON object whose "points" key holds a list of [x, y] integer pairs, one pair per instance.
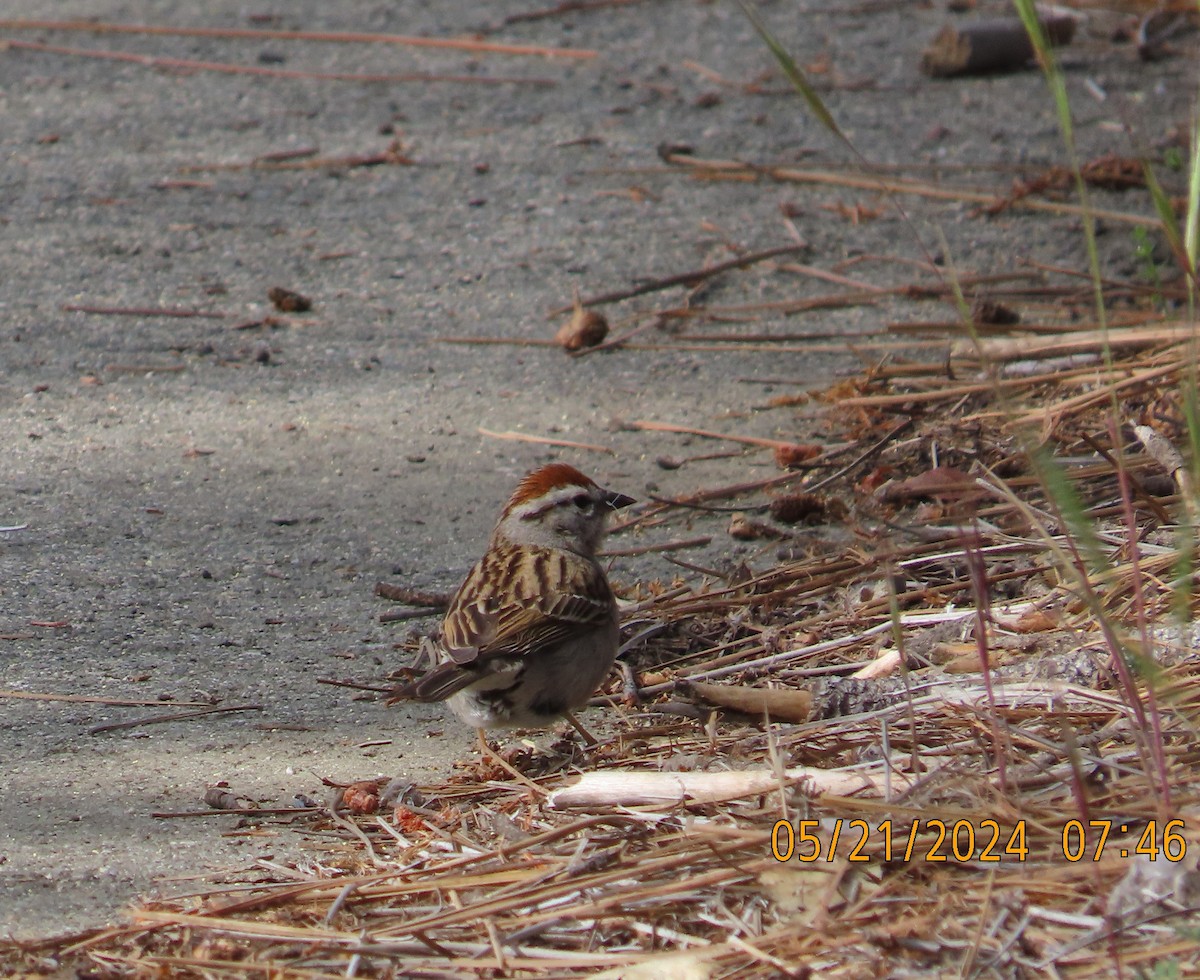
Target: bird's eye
{"points": [[582, 502]]}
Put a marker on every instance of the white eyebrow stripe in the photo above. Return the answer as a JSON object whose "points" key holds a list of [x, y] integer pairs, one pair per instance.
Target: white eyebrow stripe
{"points": [[558, 496]]}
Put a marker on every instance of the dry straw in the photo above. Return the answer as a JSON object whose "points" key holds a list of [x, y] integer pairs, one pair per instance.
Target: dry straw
{"points": [[1003, 720]]}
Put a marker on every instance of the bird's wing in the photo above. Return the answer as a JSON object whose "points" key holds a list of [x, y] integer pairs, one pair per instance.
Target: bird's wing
{"points": [[518, 600], [512, 602]]}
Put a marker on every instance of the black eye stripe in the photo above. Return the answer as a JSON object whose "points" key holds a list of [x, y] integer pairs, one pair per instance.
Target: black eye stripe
{"points": [[580, 501]]}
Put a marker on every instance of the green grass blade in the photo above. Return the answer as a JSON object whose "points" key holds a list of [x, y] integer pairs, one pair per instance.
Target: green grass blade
{"points": [[794, 73], [1062, 491], [1191, 225], [1058, 90], [1166, 215]]}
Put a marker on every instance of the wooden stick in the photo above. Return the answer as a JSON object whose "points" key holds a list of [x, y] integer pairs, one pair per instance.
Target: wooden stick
{"points": [[708, 672], [588, 738], [413, 597], [882, 345], [900, 186], [334, 682], [989, 45], [907, 290], [1102, 393], [1114, 286], [958, 391], [145, 368], [779, 704], [717, 493], [392, 155], [269, 811], [682, 278], [862, 457], [705, 433], [566, 7], [543, 441], [647, 549], [502, 341], [258, 34], [174, 716], [488, 752], [709, 508], [833, 277], [403, 615], [141, 311], [89, 699], [189, 64], [1076, 341], [618, 788], [769, 338]]}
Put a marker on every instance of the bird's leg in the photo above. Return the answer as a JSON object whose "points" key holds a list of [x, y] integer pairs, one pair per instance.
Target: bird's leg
{"points": [[588, 738], [490, 753]]}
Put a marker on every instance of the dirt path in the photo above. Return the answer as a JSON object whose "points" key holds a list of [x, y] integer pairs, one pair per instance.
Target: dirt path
{"points": [[207, 508]]}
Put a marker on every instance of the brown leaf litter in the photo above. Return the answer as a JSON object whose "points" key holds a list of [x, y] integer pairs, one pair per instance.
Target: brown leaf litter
{"points": [[922, 713]]}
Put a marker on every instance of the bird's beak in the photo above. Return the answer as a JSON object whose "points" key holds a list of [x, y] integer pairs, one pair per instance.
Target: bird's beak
{"points": [[617, 500]]}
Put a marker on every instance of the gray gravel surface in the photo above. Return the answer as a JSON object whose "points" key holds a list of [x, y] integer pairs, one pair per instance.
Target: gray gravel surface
{"points": [[207, 508]]}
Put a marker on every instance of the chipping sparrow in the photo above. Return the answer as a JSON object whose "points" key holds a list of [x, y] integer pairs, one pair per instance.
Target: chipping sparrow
{"points": [[532, 631]]}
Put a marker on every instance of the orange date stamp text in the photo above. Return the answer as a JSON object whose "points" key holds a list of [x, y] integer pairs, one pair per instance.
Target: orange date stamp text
{"points": [[971, 841]]}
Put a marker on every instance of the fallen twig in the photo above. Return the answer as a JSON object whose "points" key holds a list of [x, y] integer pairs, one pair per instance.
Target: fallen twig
{"points": [[261, 811], [716, 493], [544, 441], [566, 7], [403, 615], [778, 704], [91, 699], [260, 34], [145, 368], [770, 661], [189, 64], [355, 686], [895, 185], [642, 426], [994, 44], [683, 278], [413, 597], [141, 311], [647, 549], [174, 716], [1075, 342], [863, 456], [392, 155], [617, 788], [501, 341], [709, 508]]}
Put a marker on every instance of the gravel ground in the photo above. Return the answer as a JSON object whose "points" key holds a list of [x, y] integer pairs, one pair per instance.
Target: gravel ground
{"points": [[207, 508]]}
